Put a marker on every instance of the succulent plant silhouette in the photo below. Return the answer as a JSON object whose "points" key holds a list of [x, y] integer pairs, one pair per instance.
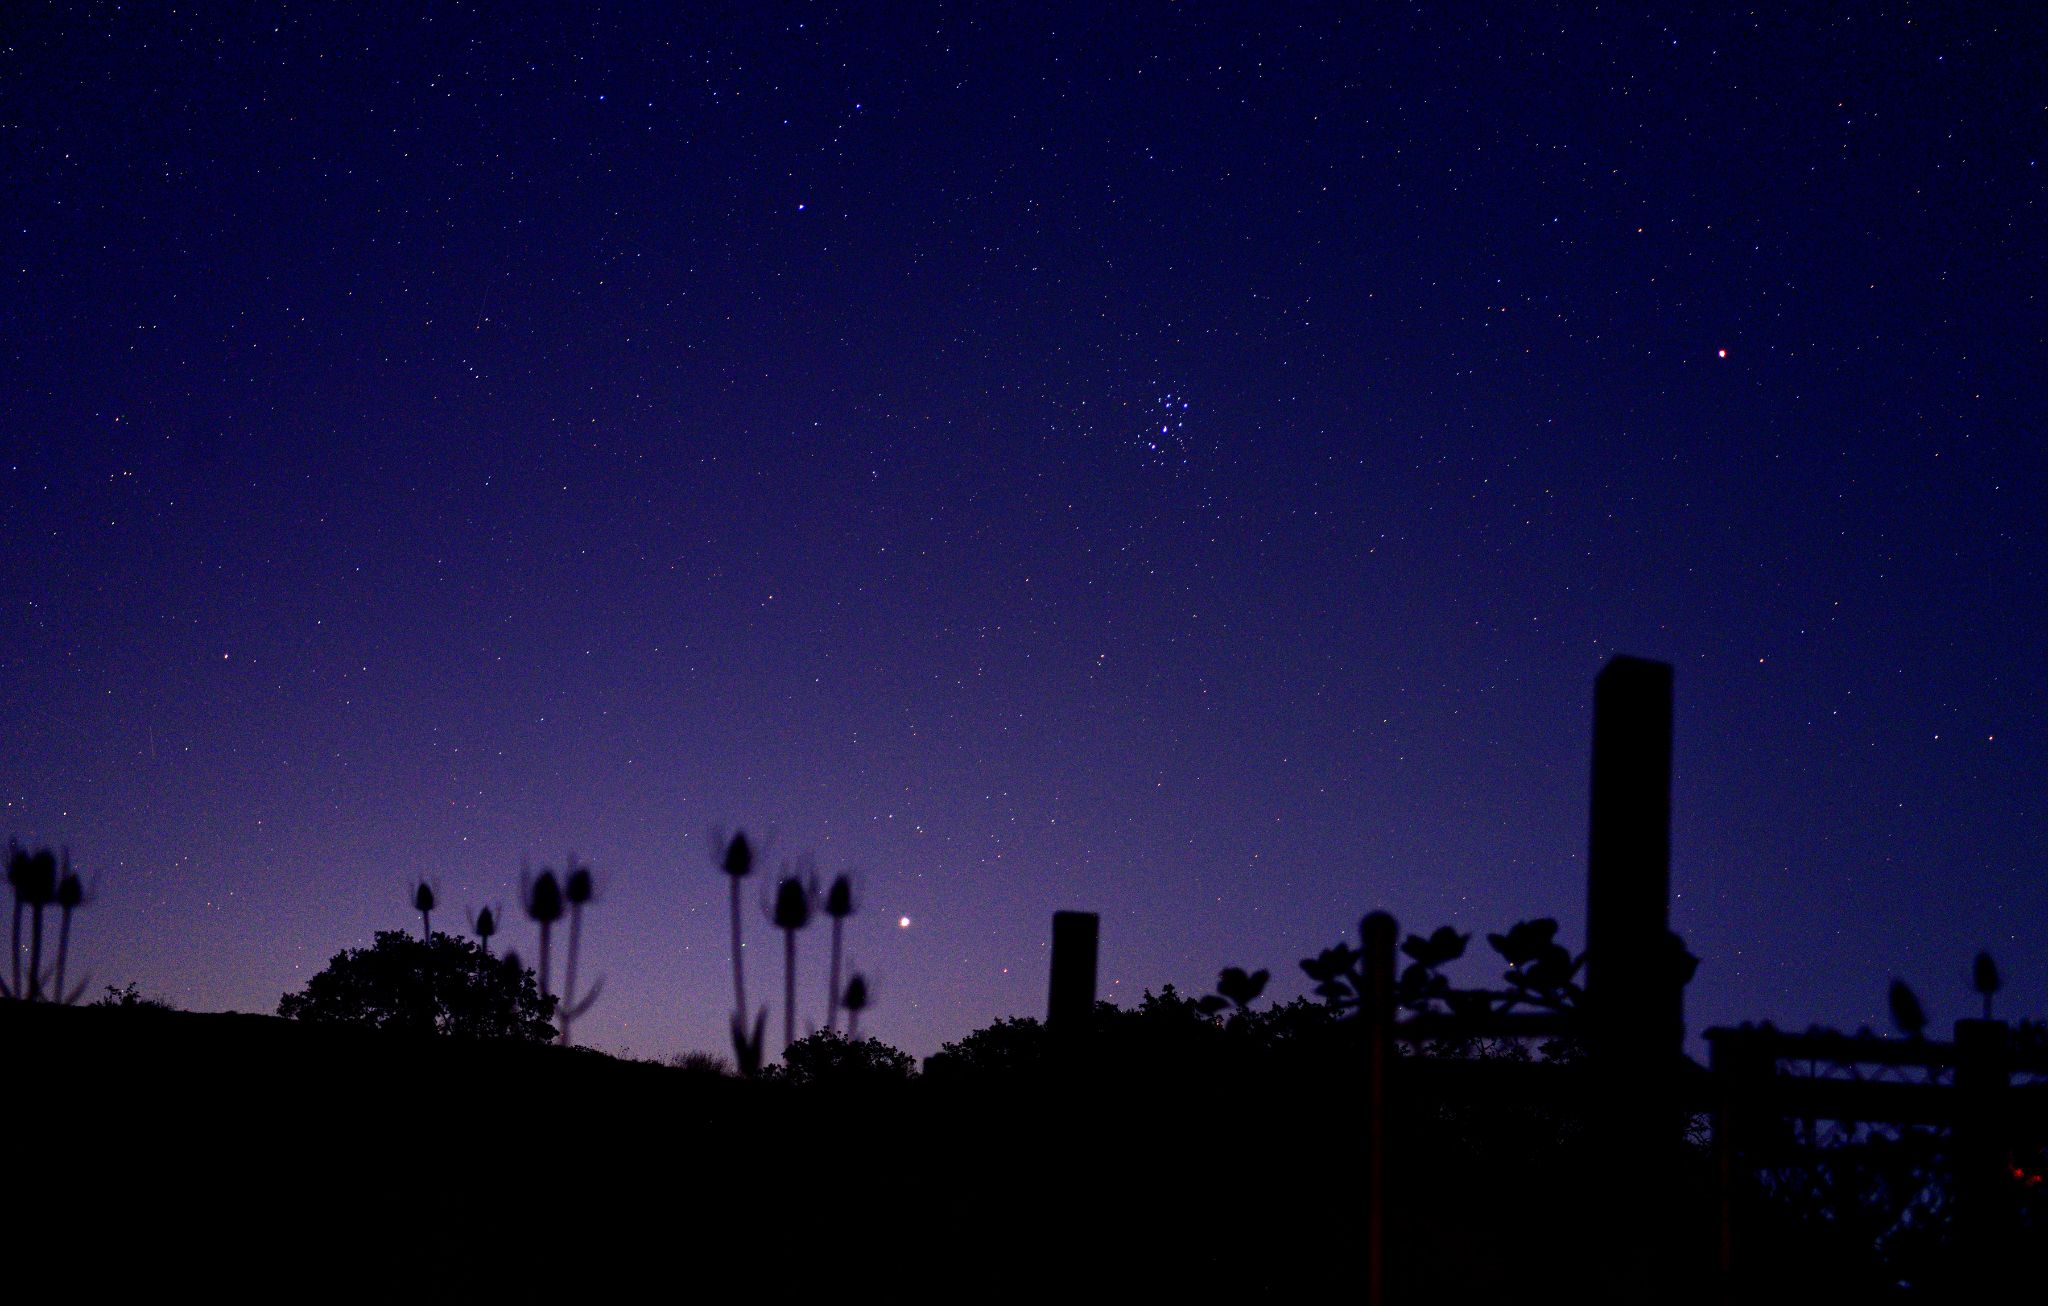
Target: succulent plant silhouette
{"points": [[423, 903], [484, 924], [794, 905], [1234, 988], [1419, 982], [1907, 1012], [1984, 979], [542, 898], [855, 1000], [840, 903], [1541, 971], [579, 889]]}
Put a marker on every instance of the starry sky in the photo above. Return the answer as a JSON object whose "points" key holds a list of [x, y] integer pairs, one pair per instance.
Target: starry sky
{"points": [[1186, 462]]}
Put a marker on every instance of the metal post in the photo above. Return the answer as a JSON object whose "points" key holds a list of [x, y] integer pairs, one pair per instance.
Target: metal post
{"points": [[1377, 1015]]}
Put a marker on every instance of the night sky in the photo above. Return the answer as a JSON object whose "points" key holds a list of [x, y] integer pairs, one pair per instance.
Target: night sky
{"points": [[1183, 462]]}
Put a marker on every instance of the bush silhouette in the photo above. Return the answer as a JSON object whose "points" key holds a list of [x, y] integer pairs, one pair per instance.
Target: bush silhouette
{"points": [[441, 985], [829, 1057]]}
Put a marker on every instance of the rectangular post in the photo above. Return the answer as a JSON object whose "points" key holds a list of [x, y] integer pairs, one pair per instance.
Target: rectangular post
{"points": [[1628, 862], [1071, 1000], [1980, 1144], [1634, 993]]}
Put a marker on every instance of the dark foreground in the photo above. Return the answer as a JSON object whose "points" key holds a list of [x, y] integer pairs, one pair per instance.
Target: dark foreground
{"points": [[172, 1152]]}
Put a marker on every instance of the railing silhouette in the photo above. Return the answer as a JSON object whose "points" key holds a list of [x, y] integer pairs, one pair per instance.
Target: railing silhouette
{"points": [[1638, 1092], [1783, 1101], [1628, 1016]]}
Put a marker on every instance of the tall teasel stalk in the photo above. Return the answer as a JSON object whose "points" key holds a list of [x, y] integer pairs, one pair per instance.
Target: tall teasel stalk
{"points": [[795, 902], [735, 859], [423, 903], [484, 924], [580, 890], [17, 877], [855, 1000], [71, 895], [37, 886], [542, 896], [840, 903]]}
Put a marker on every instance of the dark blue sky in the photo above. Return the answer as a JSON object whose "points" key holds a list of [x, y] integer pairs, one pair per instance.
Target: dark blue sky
{"points": [[1187, 462]]}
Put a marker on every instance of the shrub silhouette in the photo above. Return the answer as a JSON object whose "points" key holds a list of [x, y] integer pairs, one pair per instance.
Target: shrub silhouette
{"points": [[444, 985], [829, 1058], [130, 997]]}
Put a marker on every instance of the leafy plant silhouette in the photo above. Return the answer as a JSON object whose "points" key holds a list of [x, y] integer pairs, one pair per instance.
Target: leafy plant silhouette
{"points": [[1235, 989], [1541, 973]]}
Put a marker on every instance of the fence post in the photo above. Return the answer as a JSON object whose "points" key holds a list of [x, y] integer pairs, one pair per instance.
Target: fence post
{"points": [[1634, 995], [1740, 1075], [1980, 1141], [1377, 1016]]}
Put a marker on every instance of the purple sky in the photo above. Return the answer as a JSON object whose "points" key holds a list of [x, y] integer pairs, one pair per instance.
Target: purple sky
{"points": [[1185, 465]]}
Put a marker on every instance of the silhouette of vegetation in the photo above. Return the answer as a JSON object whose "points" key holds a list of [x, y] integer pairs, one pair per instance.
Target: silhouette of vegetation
{"points": [[70, 897], [1237, 989], [702, 1063], [579, 889], [735, 861], [854, 1000], [794, 904], [423, 903], [484, 924], [40, 880], [839, 905], [441, 985], [129, 997], [830, 1059], [542, 897]]}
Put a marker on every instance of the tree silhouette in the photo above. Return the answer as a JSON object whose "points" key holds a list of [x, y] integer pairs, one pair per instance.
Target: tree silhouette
{"points": [[443, 985]]}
